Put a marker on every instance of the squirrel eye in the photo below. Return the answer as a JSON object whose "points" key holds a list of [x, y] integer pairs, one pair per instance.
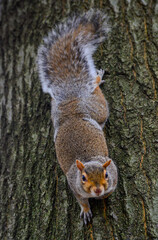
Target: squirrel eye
{"points": [[106, 175], [83, 178]]}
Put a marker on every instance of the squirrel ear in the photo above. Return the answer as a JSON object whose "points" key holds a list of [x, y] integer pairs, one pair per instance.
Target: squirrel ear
{"points": [[106, 164], [79, 165]]}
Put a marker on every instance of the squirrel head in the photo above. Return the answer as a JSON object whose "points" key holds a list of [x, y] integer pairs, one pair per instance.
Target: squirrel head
{"points": [[94, 177]]}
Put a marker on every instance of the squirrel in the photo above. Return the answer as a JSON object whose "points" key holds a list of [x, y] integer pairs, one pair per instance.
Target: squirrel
{"points": [[79, 109]]}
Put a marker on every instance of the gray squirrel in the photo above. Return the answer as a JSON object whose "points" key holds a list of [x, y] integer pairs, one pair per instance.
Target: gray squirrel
{"points": [[79, 109]]}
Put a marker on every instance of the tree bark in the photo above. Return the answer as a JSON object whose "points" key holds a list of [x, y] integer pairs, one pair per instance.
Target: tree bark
{"points": [[36, 202]]}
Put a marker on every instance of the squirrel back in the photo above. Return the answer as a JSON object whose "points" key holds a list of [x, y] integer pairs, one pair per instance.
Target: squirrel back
{"points": [[66, 67]]}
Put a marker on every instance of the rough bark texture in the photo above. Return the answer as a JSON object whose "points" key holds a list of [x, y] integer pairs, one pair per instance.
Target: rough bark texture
{"points": [[36, 202]]}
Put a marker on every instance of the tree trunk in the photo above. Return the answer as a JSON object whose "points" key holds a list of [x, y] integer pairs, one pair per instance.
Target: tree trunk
{"points": [[36, 202]]}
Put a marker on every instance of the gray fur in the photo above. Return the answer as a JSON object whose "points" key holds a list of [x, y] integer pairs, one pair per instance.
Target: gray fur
{"points": [[94, 123], [85, 46]]}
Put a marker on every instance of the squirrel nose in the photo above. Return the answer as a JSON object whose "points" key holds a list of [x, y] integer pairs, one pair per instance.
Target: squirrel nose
{"points": [[97, 191]]}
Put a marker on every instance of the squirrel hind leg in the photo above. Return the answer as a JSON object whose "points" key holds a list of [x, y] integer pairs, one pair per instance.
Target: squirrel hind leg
{"points": [[100, 73], [99, 76], [103, 124]]}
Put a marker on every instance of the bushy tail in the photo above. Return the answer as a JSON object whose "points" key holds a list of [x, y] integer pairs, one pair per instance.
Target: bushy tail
{"points": [[65, 63]]}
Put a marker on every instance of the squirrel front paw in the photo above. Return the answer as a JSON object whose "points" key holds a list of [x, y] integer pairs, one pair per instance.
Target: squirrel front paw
{"points": [[87, 216]]}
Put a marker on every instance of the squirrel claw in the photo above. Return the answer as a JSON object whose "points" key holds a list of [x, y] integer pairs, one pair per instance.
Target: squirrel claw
{"points": [[87, 216], [100, 73], [102, 81]]}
